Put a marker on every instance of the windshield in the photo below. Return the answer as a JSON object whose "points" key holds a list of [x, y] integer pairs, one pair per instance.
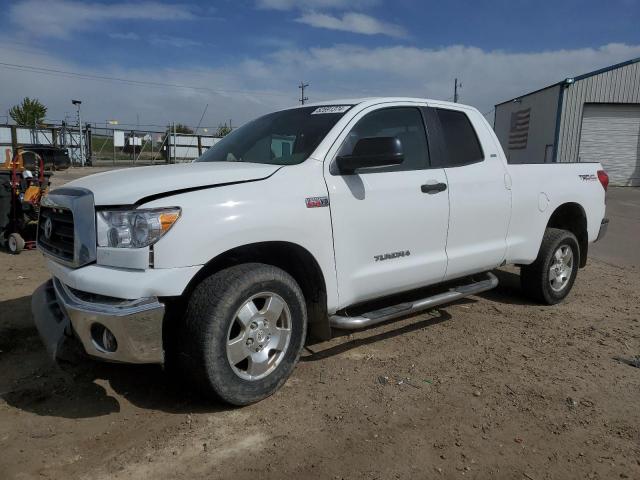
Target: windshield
{"points": [[280, 138]]}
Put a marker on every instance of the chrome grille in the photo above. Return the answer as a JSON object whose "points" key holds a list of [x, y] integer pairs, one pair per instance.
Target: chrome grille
{"points": [[56, 233], [67, 226]]}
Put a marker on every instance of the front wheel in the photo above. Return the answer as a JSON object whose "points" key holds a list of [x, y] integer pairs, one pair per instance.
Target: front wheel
{"points": [[550, 278], [244, 330]]}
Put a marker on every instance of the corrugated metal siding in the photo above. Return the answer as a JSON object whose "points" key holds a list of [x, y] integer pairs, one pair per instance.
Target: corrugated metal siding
{"points": [[611, 135], [543, 110], [621, 85]]}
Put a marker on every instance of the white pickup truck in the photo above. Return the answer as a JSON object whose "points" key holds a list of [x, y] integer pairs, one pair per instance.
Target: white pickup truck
{"points": [[327, 216]]}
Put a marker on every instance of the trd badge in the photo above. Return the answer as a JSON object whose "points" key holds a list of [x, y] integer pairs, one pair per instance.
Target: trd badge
{"points": [[315, 202]]}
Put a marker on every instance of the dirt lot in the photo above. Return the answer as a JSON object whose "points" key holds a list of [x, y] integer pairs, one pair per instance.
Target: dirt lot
{"points": [[490, 387]]}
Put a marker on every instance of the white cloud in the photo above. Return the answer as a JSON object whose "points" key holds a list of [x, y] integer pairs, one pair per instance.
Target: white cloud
{"points": [[59, 18], [354, 23], [171, 41], [488, 76], [158, 40], [225, 89], [312, 14], [314, 4], [253, 86], [124, 36]]}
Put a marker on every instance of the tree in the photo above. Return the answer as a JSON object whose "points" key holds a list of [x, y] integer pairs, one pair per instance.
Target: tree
{"points": [[223, 130], [180, 128], [30, 113]]}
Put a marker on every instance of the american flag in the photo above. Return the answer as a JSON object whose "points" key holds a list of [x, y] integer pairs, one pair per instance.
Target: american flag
{"points": [[519, 132]]}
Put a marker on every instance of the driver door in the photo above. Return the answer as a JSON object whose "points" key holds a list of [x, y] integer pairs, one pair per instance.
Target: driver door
{"points": [[389, 225]]}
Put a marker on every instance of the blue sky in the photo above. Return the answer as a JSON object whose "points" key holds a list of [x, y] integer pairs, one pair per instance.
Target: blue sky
{"points": [[246, 57]]}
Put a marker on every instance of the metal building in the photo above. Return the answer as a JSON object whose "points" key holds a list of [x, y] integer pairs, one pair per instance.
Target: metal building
{"points": [[594, 117]]}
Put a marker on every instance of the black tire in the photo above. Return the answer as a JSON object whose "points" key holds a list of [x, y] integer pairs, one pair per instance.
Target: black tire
{"points": [[15, 243], [535, 278], [210, 313]]}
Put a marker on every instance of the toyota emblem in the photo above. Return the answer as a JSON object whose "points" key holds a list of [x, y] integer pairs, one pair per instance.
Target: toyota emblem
{"points": [[48, 228]]}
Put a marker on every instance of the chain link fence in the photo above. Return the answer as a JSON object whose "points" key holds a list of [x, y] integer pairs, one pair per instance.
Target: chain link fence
{"points": [[133, 147], [61, 136], [109, 146]]}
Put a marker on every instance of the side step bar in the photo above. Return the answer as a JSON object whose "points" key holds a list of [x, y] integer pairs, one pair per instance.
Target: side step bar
{"points": [[388, 313]]}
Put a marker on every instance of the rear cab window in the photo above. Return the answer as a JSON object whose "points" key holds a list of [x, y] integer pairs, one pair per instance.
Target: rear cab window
{"points": [[459, 138]]}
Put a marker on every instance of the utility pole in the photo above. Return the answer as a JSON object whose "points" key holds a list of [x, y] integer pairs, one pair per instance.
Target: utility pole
{"points": [[302, 86], [77, 103], [175, 141], [456, 85]]}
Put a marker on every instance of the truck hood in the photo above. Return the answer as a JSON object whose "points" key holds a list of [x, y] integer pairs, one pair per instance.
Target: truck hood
{"points": [[134, 185]]}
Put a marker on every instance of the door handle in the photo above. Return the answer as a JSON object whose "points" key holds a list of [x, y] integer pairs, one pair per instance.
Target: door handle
{"points": [[432, 188]]}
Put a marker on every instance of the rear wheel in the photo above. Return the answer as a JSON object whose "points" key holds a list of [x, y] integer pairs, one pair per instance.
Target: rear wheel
{"points": [[15, 242], [243, 333], [550, 278]]}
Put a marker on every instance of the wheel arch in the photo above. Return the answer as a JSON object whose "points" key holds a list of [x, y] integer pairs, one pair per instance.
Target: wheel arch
{"points": [[294, 259], [571, 216]]}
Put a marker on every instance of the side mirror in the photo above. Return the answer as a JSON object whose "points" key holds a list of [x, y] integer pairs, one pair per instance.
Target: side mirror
{"points": [[371, 152]]}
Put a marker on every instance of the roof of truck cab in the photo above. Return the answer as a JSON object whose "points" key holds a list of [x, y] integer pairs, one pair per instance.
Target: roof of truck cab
{"points": [[362, 104], [377, 100]]}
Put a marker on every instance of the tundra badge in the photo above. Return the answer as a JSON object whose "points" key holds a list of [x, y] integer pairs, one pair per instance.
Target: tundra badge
{"points": [[388, 256]]}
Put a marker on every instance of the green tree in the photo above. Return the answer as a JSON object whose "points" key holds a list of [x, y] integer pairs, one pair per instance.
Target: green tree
{"points": [[180, 128], [30, 113], [223, 130]]}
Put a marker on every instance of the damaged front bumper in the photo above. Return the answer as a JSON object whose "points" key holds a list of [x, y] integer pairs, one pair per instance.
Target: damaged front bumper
{"points": [[108, 328]]}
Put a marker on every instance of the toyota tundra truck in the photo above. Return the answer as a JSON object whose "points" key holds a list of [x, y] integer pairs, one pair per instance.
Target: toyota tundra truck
{"points": [[316, 219]]}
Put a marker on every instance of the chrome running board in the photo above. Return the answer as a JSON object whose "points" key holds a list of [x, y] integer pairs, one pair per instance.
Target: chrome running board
{"points": [[388, 313]]}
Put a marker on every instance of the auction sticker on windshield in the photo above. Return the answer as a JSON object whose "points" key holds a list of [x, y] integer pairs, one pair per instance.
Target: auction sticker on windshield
{"points": [[331, 109]]}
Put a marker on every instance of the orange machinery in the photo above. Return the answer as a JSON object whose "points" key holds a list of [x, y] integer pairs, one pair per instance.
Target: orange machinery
{"points": [[20, 194]]}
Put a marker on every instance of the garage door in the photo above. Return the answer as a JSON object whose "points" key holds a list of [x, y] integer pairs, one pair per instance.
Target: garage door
{"points": [[611, 135]]}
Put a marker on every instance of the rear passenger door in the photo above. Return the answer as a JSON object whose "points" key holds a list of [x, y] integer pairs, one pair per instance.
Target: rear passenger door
{"points": [[479, 200], [389, 231]]}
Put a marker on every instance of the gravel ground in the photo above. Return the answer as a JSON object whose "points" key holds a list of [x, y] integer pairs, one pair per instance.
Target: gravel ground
{"points": [[489, 387]]}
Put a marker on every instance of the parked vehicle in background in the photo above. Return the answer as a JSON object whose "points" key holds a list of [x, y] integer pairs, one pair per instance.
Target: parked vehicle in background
{"points": [[55, 158], [326, 216]]}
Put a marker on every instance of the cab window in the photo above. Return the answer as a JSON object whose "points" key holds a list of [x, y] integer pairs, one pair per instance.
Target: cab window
{"points": [[404, 123], [459, 137]]}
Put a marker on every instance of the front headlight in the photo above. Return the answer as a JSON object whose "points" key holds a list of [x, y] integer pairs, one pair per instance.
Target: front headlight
{"points": [[134, 228]]}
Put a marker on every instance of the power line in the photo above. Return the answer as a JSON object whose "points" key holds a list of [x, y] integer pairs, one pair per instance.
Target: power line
{"points": [[146, 83], [116, 126], [86, 76]]}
